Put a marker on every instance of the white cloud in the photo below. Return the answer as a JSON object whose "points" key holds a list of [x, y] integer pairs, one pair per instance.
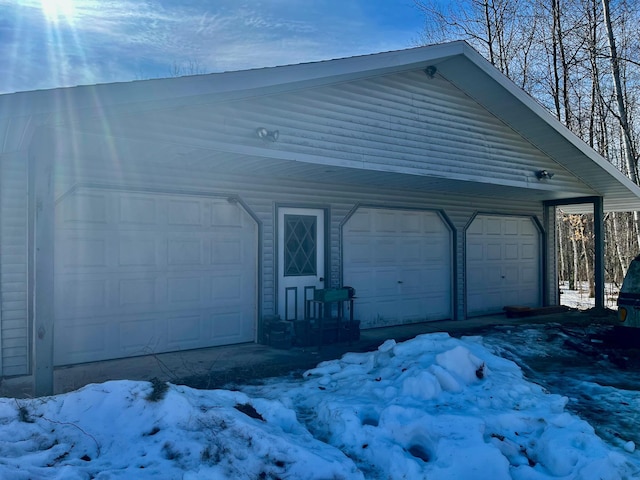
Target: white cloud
{"points": [[120, 40]]}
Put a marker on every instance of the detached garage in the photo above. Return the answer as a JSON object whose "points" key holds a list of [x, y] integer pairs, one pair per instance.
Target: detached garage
{"points": [[172, 214]]}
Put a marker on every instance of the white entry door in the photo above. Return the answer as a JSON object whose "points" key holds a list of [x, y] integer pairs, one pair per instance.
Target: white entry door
{"points": [[300, 259]]}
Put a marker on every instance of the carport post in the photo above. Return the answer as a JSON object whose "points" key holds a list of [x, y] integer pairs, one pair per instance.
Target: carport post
{"points": [[598, 232], [43, 214]]}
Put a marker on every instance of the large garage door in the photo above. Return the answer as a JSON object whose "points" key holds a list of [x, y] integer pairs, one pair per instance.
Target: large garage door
{"points": [[503, 264], [140, 273], [399, 262]]}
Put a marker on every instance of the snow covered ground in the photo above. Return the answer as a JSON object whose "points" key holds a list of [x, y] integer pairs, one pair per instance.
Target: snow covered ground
{"points": [[433, 407], [580, 298]]}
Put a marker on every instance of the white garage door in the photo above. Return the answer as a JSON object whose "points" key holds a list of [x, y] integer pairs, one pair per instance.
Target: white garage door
{"points": [[503, 264], [399, 262], [140, 273]]}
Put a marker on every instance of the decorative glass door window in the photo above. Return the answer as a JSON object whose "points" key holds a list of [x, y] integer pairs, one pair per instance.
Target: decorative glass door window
{"points": [[300, 249]]}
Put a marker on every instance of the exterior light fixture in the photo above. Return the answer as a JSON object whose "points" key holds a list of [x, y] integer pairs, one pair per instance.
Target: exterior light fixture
{"points": [[271, 135], [430, 71], [544, 174]]}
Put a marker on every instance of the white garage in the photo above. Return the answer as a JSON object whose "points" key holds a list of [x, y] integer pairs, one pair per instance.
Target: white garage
{"points": [[503, 264], [399, 262], [139, 273]]}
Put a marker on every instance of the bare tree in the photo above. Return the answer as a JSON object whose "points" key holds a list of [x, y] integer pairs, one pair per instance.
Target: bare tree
{"points": [[631, 160], [560, 51]]}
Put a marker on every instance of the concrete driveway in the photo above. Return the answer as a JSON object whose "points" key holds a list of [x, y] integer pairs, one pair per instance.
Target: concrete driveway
{"points": [[223, 366]]}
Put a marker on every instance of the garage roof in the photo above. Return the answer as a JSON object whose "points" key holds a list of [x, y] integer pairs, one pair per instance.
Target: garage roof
{"points": [[457, 62]]}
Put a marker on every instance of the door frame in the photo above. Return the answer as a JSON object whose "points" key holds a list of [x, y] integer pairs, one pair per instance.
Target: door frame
{"points": [[276, 241]]}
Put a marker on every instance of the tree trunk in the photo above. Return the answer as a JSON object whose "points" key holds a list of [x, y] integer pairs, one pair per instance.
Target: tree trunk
{"points": [[629, 153], [573, 276], [616, 243], [617, 87], [587, 268]]}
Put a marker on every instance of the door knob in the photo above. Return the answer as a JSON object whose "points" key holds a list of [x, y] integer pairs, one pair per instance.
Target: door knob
{"points": [[321, 279]]}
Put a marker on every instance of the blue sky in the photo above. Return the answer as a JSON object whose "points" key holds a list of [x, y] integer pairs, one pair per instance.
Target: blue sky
{"points": [[55, 43]]}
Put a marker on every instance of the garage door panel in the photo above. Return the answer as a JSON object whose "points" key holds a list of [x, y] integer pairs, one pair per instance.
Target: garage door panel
{"points": [[227, 251], [137, 210], [493, 251], [385, 251], [227, 326], [184, 290], [139, 291], [184, 213], [82, 293], [410, 223], [227, 215], [385, 281], [138, 251], [385, 221], [84, 208], [512, 251], [474, 251], [156, 273], [362, 251], [413, 281], [493, 226], [86, 251], [410, 251], [528, 252], [529, 275], [134, 335], [184, 330], [185, 251], [512, 226], [406, 275]]}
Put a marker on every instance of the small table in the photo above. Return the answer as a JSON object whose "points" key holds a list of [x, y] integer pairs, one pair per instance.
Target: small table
{"points": [[321, 307]]}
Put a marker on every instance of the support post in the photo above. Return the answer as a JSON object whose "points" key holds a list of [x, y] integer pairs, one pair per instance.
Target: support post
{"points": [[598, 231], [43, 241], [550, 292]]}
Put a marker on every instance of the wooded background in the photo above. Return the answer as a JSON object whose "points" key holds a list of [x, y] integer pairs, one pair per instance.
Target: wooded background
{"points": [[581, 60]]}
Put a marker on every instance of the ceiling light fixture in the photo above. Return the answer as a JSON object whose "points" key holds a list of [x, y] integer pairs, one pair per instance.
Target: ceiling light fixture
{"points": [[271, 135], [544, 174], [430, 71]]}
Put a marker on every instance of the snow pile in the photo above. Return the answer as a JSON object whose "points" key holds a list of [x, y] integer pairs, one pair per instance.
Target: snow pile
{"points": [[433, 407]]}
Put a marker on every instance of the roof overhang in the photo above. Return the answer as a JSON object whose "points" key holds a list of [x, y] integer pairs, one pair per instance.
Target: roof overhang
{"points": [[457, 62], [482, 81]]}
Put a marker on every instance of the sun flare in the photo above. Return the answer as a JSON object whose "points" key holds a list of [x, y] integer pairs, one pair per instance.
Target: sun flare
{"points": [[54, 10]]}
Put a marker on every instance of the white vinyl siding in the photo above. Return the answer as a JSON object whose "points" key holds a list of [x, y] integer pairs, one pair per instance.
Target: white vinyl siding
{"points": [[404, 123], [14, 331]]}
